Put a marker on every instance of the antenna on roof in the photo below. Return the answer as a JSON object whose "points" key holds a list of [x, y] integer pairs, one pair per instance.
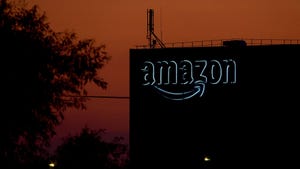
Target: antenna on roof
{"points": [[152, 38], [161, 28]]}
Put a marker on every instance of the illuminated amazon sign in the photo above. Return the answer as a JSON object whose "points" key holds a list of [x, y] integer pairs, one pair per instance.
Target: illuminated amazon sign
{"points": [[184, 79], [201, 98]]}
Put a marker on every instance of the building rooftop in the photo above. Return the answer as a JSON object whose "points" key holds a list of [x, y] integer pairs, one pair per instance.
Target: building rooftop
{"points": [[217, 43]]}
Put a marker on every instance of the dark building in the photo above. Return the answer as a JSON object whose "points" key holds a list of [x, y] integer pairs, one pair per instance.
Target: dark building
{"points": [[230, 106]]}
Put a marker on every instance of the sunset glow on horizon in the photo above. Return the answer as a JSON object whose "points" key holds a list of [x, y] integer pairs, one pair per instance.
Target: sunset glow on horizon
{"points": [[121, 25]]}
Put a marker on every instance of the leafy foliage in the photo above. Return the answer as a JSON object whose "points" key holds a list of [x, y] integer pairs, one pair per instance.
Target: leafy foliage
{"points": [[40, 70], [89, 150]]}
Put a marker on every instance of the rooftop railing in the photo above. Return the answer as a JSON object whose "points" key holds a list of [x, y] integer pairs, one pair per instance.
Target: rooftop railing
{"points": [[217, 43]]}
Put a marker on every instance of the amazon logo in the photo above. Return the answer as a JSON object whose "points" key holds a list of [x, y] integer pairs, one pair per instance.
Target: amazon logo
{"points": [[184, 79]]}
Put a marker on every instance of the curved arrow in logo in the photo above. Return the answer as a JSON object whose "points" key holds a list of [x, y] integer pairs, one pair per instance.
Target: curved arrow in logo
{"points": [[199, 89]]}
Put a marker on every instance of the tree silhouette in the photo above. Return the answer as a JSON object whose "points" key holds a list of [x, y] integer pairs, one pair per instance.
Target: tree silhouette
{"points": [[40, 70], [89, 150]]}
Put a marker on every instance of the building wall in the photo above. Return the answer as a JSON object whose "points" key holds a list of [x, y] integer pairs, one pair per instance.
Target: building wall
{"points": [[243, 122]]}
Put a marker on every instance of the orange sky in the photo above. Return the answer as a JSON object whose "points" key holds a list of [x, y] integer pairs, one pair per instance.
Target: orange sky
{"points": [[121, 24]]}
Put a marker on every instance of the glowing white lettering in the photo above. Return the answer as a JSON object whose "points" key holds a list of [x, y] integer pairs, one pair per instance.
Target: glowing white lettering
{"points": [[191, 76]]}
